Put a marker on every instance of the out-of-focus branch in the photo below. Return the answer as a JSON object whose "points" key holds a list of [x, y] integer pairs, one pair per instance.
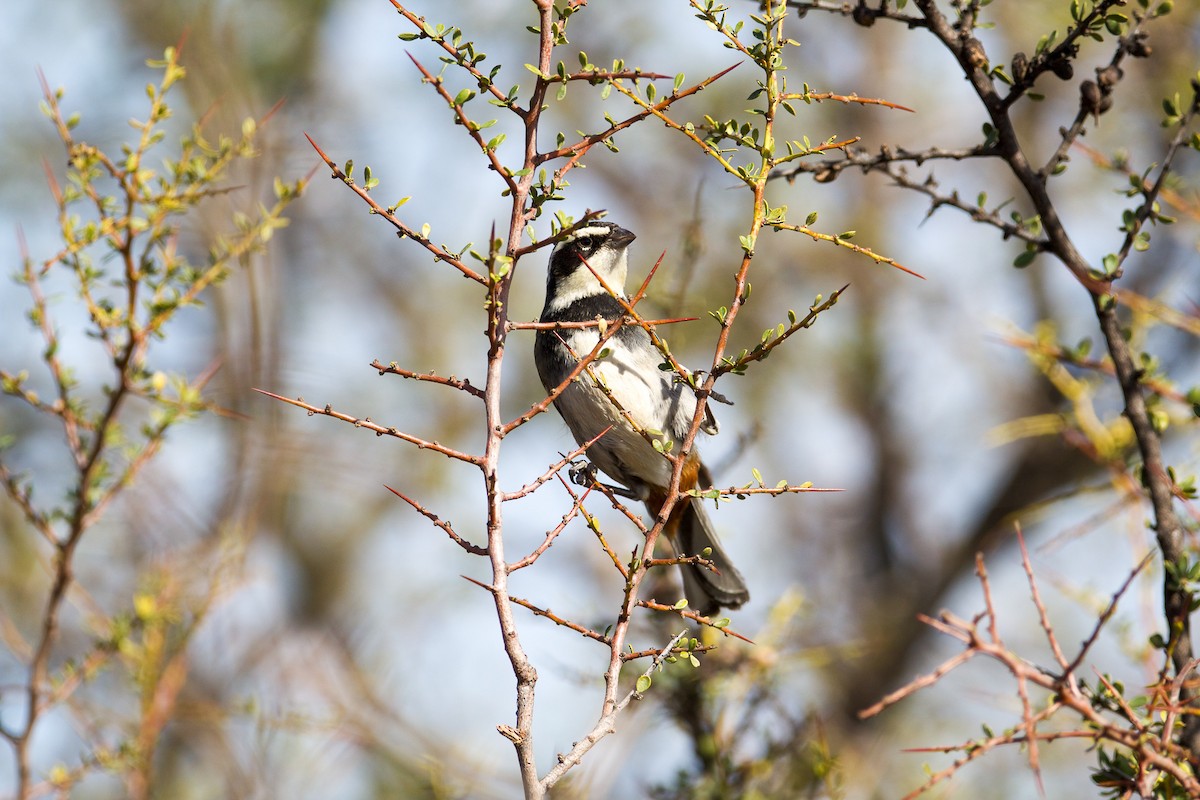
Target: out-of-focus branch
{"points": [[1051, 235], [1101, 714]]}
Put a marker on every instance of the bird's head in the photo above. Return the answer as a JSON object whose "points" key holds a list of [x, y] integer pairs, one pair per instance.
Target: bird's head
{"points": [[602, 245]]}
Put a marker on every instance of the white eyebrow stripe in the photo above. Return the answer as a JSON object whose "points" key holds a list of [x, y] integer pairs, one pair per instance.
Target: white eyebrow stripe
{"points": [[592, 230]]}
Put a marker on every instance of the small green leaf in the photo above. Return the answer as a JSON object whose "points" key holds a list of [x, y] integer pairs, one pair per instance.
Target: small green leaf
{"points": [[1025, 259], [643, 684]]}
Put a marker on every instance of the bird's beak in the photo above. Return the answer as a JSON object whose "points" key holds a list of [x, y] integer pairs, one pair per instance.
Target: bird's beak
{"points": [[621, 237]]}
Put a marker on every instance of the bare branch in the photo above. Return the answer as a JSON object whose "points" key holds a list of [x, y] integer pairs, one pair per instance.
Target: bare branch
{"points": [[606, 723], [550, 536], [453, 382], [379, 430], [444, 525]]}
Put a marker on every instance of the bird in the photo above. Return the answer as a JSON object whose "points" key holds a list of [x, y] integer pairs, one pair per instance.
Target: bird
{"points": [[627, 383]]}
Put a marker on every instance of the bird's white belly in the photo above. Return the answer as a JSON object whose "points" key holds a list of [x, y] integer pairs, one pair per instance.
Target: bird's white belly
{"points": [[648, 400]]}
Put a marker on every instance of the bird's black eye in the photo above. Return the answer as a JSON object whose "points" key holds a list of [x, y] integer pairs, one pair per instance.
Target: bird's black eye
{"points": [[585, 244]]}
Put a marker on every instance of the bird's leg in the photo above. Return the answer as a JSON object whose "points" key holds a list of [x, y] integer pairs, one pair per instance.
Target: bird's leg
{"points": [[583, 473]]}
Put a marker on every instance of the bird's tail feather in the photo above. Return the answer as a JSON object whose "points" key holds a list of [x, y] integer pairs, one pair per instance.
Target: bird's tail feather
{"points": [[707, 591]]}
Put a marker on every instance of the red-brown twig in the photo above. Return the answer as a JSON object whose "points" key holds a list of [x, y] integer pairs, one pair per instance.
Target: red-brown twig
{"points": [[988, 604], [917, 684], [462, 384], [619, 506], [1107, 614], [1043, 616], [594, 524], [1156, 753], [439, 253], [764, 348], [576, 151], [443, 524], [461, 118], [654, 605], [607, 722], [378, 429], [481, 79], [550, 536], [555, 618], [743, 491], [844, 241], [553, 469]]}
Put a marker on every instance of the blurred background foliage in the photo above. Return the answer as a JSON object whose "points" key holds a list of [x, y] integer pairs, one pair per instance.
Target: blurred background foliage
{"points": [[337, 652]]}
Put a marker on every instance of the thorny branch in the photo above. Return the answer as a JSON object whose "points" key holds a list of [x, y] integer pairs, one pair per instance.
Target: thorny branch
{"points": [[453, 382], [403, 230], [528, 187], [379, 430], [443, 524], [526, 192]]}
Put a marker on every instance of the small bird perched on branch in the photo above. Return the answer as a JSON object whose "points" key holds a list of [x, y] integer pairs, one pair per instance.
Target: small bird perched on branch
{"points": [[627, 390]]}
